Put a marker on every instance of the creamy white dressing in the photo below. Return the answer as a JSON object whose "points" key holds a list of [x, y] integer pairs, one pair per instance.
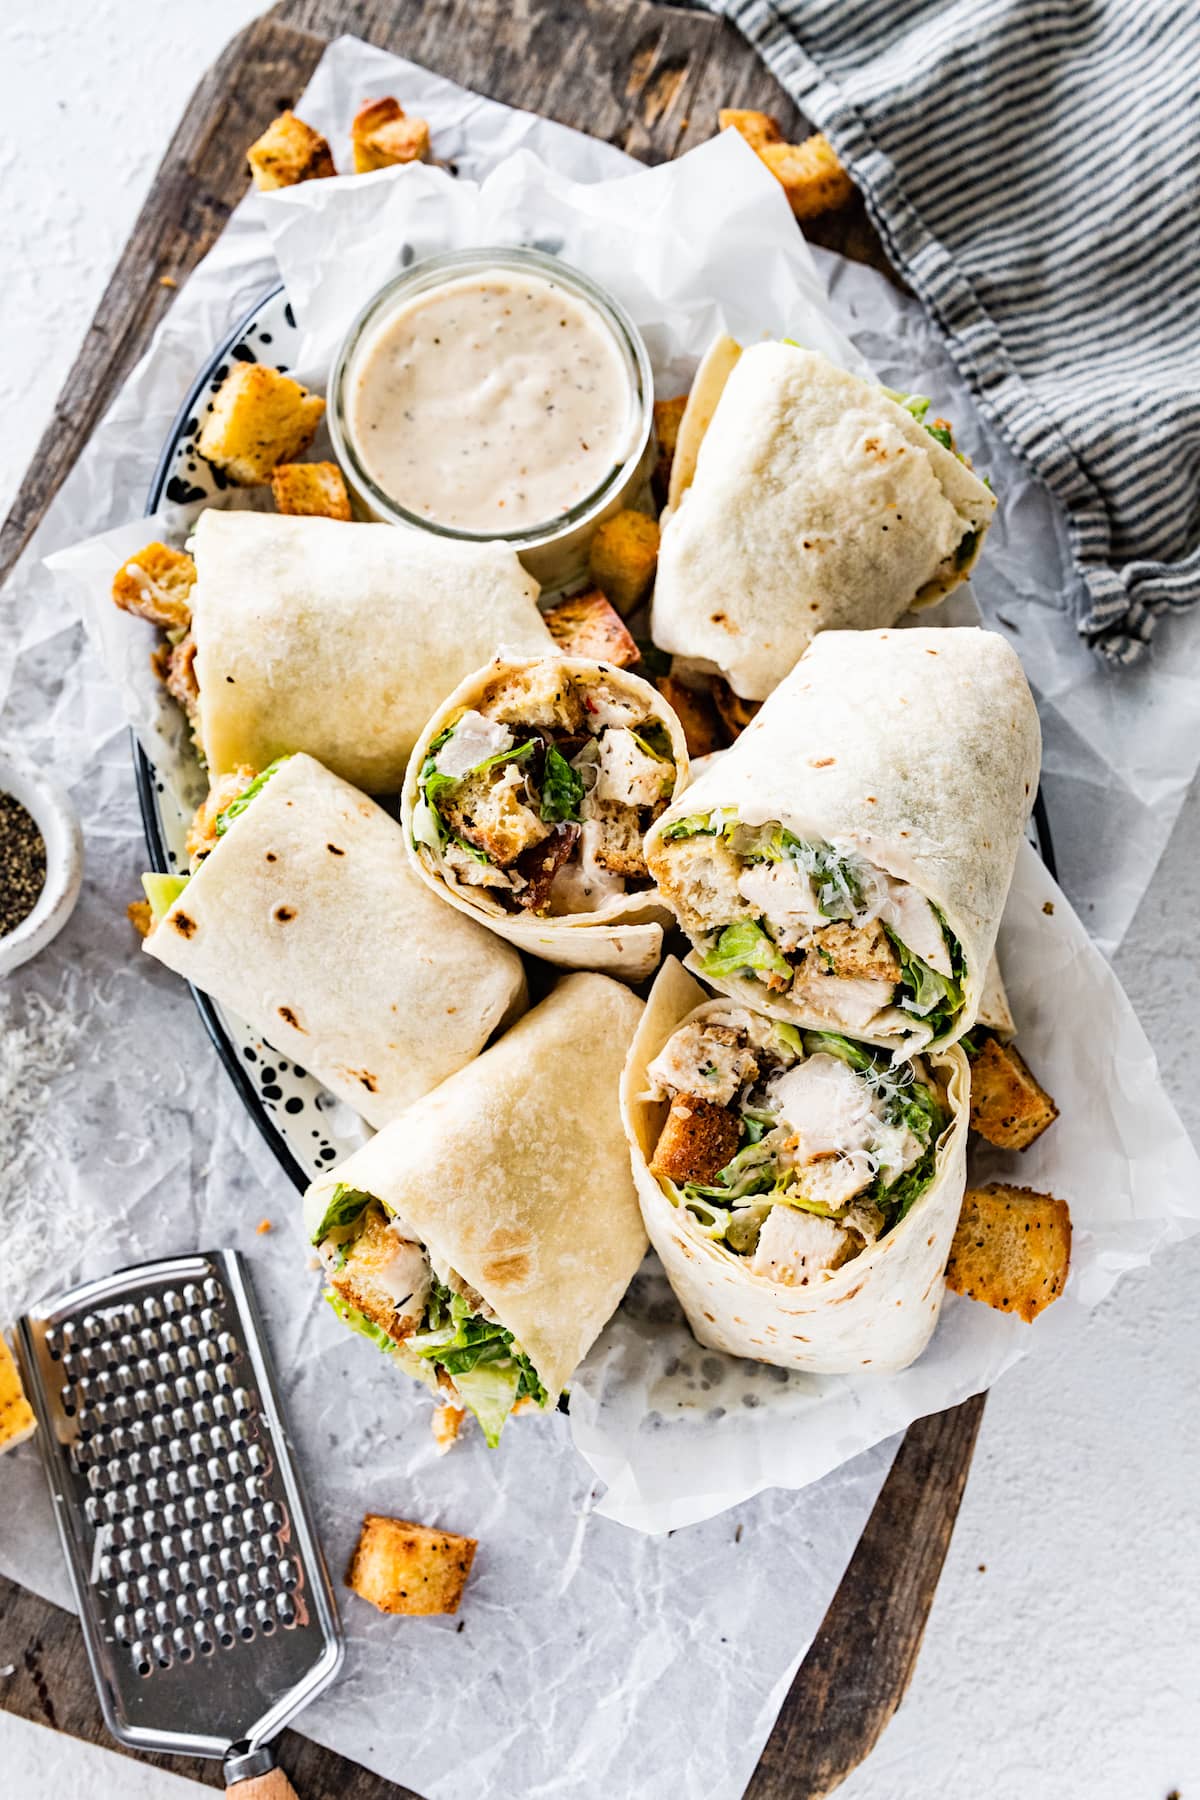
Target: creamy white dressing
{"points": [[492, 403]]}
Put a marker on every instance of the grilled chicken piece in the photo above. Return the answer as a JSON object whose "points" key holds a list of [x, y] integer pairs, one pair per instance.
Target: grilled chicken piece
{"points": [[708, 1060], [794, 1246]]}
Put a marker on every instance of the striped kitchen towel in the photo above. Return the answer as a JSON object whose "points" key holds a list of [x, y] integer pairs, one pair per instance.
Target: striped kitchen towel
{"points": [[1033, 167]]}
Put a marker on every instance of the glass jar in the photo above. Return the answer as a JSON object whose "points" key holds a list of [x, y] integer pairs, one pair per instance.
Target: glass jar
{"points": [[554, 550]]}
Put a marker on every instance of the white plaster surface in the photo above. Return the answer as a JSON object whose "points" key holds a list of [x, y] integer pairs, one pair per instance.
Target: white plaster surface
{"points": [[1069, 1664]]}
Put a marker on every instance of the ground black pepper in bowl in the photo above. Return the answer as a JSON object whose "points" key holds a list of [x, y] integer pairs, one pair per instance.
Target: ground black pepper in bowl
{"points": [[22, 864]]}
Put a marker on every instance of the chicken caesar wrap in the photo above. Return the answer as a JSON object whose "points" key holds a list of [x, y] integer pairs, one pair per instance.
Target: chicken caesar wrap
{"points": [[527, 801], [302, 915], [804, 499], [845, 864], [338, 639], [801, 1188], [483, 1240]]}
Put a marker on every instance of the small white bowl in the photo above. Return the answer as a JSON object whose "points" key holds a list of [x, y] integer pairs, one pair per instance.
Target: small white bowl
{"points": [[55, 817]]}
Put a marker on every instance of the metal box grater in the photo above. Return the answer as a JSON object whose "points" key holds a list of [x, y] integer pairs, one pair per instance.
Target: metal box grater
{"points": [[206, 1607]]}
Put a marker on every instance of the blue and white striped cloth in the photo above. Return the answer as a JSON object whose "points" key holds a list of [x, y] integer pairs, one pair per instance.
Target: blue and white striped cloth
{"points": [[1033, 167]]}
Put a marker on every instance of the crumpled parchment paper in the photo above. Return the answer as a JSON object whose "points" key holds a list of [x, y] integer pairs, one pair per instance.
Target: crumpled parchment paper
{"points": [[591, 1658]]}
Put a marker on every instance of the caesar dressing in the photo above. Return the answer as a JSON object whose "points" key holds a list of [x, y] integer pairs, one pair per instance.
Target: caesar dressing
{"points": [[493, 402]]}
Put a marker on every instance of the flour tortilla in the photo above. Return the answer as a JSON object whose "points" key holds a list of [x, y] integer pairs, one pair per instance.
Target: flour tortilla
{"points": [[308, 923], [516, 1174], [817, 503], [340, 639], [623, 938], [917, 749], [877, 1312]]}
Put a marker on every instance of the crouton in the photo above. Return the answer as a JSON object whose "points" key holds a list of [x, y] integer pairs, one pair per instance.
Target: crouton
{"points": [[141, 917], [486, 809], [758, 128], [667, 416], [698, 876], [1012, 1249], [378, 1264], [313, 488], [446, 1423], [697, 1140], [155, 584], [1009, 1107], [810, 174], [696, 713], [374, 113], [613, 837], [381, 143], [287, 152], [541, 694], [735, 712], [259, 420], [622, 558], [16, 1415], [405, 1568], [856, 952], [587, 625]]}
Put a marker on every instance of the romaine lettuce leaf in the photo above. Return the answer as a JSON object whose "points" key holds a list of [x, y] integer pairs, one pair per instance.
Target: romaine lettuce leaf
{"points": [[226, 817], [357, 1321], [490, 1390], [162, 891], [743, 946], [562, 789], [345, 1204]]}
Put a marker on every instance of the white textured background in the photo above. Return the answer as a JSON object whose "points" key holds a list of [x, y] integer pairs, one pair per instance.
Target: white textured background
{"points": [[1063, 1653]]}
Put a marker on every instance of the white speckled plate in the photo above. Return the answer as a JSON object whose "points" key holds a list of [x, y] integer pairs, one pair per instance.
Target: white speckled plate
{"points": [[305, 1126]]}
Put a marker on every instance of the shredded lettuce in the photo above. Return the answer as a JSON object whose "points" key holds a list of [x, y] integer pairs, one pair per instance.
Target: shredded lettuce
{"points": [[350, 1315], [942, 435], [937, 999], [655, 740], [345, 1204], [743, 947], [226, 817], [832, 1043], [562, 789], [491, 1390], [489, 1369]]}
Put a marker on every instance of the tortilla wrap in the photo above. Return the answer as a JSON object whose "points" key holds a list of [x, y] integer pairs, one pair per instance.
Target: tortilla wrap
{"points": [[308, 923], [876, 1312], [916, 750], [340, 639], [623, 936], [818, 503], [515, 1173]]}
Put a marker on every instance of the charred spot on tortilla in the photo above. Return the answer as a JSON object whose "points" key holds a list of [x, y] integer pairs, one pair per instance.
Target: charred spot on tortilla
{"points": [[231, 681], [335, 850], [271, 856], [183, 923], [284, 914], [289, 1018]]}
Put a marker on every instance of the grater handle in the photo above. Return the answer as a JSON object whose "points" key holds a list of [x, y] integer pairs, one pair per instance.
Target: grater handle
{"points": [[274, 1785]]}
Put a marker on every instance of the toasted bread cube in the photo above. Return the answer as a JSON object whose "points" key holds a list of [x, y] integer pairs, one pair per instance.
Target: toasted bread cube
{"points": [[811, 175], [696, 713], [374, 113], [16, 1415], [667, 415], [613, 838], [486, 809], [735, 712], [314, 488], [1012, 1249], [697, 1140], [287, 152], [259, 420], [857, 952], [400, 141], [541, 694], [155, 584], [1009, 1106], [383, 1276], [758, 128], [405, 1568], [587, 625], [623, 557]]}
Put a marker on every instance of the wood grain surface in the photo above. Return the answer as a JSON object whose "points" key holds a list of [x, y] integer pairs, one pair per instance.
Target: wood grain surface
{"points": [[650, 79]]}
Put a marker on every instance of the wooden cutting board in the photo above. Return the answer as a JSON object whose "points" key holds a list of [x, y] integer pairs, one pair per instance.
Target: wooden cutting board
{"points": [[650, 79]]}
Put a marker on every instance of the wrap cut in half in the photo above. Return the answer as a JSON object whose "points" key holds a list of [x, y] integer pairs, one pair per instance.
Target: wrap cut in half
{"points": [[845, 864], [484, 1239], [818, 501], [305, 919], [340, 639], [801, 1189], [527, 801]]}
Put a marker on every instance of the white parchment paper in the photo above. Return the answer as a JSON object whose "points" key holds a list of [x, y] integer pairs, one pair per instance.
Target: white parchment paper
{"points": [[590, 1659]]}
